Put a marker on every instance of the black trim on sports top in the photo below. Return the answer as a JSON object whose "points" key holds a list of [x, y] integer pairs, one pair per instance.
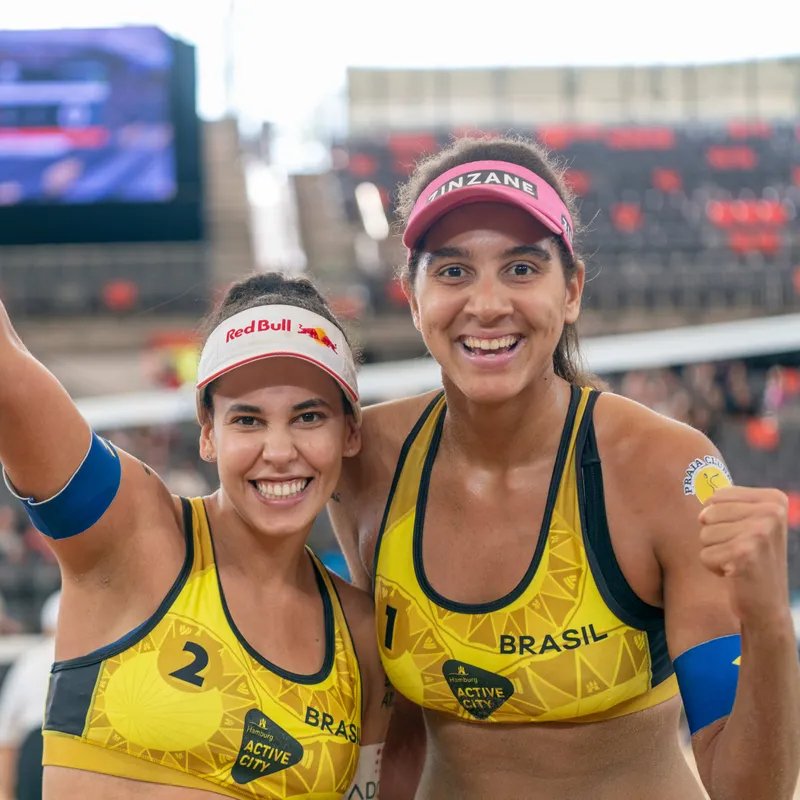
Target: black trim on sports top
{"points": [[73, 680], [544, 531], [352, 639], [614, 588], [398, 471], [327, 613]]}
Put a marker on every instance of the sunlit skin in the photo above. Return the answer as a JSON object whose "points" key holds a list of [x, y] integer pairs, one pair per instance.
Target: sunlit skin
{"points": [[277, 421], [490, 271]]}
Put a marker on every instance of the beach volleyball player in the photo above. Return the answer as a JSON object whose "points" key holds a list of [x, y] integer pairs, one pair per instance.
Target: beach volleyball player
{"points": [[554, 567], [202, 649]]}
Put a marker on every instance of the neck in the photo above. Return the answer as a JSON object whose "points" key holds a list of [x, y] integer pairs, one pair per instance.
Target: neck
{"points": [[271, 562], [507, 434]]}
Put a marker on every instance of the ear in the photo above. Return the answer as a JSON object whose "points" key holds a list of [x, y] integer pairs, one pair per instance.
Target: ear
{"points": [[408, 290], [208, 444], [574, 292], [352, 437]]}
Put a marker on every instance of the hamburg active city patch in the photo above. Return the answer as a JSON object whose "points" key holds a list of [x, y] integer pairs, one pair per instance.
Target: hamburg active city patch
{"points": [[704, 476]]}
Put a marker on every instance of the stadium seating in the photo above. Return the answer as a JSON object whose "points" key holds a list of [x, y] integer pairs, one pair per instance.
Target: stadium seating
{"points": [[684, 217]]}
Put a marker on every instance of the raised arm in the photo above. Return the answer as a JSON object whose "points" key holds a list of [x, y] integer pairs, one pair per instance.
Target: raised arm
{"points": [[44, 441], [722, 550]]}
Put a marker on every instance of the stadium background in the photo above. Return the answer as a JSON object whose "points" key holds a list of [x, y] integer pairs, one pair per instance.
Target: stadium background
{"points": [[125, 212]]}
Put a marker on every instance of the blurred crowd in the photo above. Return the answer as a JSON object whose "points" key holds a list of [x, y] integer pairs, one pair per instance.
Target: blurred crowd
{"points": [[706, 394]]}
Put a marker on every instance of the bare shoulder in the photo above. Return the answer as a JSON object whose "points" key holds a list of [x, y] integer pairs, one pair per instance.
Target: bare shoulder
{"points": [[655, 469], [357, 507], [384, 428], [644, 444], [657, 473], [388, 423]]}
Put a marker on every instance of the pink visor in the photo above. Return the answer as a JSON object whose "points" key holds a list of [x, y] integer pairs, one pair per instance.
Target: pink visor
{"points": [[494, 182]]}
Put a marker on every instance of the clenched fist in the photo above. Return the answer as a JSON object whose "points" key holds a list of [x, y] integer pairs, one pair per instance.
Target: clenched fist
{"points": [[743, 534]]}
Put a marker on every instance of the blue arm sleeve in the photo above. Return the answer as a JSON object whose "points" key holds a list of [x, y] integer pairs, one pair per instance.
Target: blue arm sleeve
{"points": [[85, 498], [708, 675]]}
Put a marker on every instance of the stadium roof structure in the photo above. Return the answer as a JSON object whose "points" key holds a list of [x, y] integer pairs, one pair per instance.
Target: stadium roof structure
{"points": [[603, 355]]}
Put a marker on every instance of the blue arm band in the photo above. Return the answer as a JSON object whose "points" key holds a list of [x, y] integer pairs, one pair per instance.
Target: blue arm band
{"points": [[84, 499], [707, 676]]}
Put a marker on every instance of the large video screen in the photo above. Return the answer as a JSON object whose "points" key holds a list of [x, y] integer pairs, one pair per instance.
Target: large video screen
{"points": [[85, 116], [99, 137]]}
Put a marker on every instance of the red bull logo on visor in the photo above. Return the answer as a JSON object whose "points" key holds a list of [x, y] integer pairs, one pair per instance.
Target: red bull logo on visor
{"points": [[258, 325], [318, 335]]}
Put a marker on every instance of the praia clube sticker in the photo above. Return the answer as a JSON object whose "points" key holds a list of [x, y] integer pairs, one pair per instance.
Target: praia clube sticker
{"points": [[704, 476]]}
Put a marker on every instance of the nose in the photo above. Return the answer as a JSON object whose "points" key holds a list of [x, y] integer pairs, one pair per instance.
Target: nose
{"points": [[278, 446], [489, 299]]}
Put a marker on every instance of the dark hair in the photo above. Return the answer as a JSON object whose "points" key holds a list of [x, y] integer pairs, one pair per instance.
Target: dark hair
{"points": [[266, 289], [532, 156]]}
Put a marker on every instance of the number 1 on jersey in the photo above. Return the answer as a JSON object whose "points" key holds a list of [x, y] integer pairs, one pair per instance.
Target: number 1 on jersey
{"points": [[391, 615]]}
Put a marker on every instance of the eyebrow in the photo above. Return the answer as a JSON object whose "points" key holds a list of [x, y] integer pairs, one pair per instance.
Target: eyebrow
{"points": [[245, 408], [535, 250], [314, 402]]}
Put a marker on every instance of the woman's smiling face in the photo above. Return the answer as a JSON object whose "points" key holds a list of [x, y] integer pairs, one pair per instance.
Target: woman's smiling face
{"points": [[278, 434], [490, 299]]}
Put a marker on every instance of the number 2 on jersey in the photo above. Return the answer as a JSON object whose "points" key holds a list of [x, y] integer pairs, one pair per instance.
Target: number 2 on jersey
{"points": [[191, 672]]}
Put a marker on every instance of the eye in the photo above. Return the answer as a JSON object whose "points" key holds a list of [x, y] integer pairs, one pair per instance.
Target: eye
{"points": [[245, 421], [522, 269], [310, 417], [451, 271]]}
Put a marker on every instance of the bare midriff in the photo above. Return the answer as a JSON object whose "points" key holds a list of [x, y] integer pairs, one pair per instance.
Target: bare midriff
{"points": [[635, 756], [62, 783]]}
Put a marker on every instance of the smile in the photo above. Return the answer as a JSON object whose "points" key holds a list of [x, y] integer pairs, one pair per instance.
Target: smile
{"points": [[281, 490], [490, 347]]}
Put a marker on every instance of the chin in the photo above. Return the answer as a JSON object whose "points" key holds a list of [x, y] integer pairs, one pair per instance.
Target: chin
{"points": [[280, 529], [492, 391]]}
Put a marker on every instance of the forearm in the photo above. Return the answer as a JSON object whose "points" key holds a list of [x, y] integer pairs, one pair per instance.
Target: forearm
{"points": [[756, 755], [8, 769]]}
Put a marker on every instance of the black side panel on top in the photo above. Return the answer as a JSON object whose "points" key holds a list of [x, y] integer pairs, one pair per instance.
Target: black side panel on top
{"points": [[69, 698], [615, 589]]}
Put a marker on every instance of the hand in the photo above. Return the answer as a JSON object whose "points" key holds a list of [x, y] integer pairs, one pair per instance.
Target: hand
{"points": [[743, 534]]}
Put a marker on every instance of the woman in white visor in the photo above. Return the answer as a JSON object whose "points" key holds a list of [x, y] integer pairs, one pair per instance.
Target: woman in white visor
{"points": [[202, 648]]}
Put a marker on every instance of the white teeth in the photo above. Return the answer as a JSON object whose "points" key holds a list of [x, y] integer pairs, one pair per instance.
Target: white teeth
{"points": [[474, 343], [275, 490]]}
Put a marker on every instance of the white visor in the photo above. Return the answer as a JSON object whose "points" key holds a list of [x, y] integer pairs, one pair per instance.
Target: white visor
{"points": [[280, 331]]}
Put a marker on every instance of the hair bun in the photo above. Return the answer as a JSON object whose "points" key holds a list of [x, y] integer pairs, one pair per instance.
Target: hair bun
{"points": [[270, 284]]}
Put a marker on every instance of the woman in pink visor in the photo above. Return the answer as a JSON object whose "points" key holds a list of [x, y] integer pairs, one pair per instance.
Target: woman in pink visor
{"points": [[556, 569], [202, 649]]}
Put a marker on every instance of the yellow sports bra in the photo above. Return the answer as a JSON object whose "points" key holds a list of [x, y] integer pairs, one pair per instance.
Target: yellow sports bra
{"points": [[185, 700], [572, 642]]}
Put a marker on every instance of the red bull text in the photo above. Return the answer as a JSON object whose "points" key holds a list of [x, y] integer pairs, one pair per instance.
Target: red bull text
{"points": [[259, 325]]}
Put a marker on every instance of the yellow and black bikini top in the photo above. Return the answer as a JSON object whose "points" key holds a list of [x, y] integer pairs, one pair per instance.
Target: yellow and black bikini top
{"points": [[185, 700], [571, 642]]}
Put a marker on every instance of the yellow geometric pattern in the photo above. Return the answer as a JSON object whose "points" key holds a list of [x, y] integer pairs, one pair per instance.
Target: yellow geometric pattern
{"points": [[183, 704], [555, 652]]}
